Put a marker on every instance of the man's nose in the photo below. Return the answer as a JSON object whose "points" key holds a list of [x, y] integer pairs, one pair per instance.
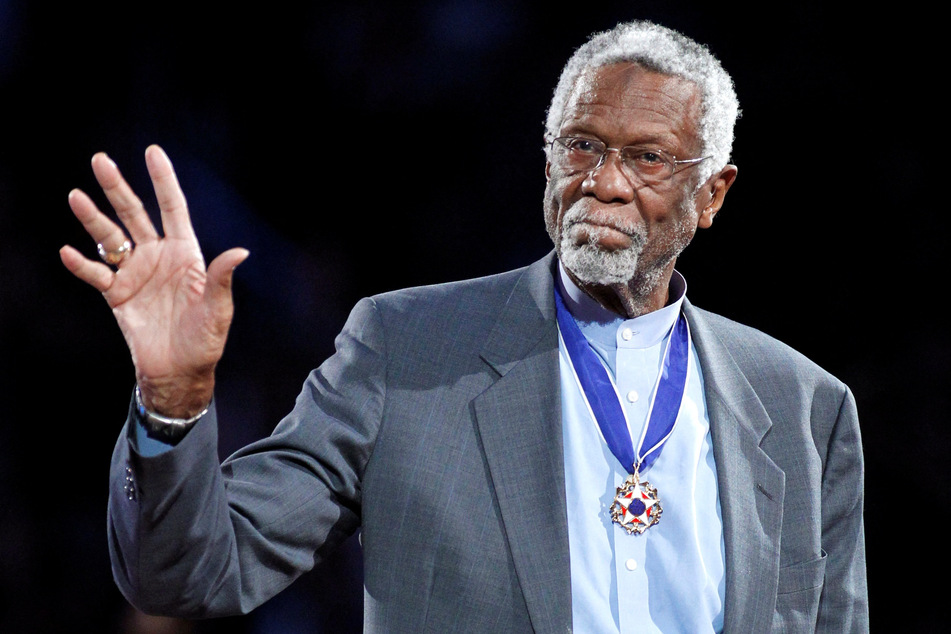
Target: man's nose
{"points": [[608, 181]]}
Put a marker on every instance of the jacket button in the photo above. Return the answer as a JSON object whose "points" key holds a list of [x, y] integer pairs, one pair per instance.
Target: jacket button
{"points": [[129, 487]]}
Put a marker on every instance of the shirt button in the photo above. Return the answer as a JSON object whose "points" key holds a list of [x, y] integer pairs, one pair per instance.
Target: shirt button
{"points": [[630, 564], [627, 334], [632, 396]]}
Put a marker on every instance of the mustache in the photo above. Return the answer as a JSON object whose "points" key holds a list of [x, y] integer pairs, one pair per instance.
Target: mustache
{"points": [[590, 213]]}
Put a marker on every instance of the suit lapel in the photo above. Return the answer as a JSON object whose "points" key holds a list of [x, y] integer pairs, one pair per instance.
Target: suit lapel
{"points": [[751, 485], [519, 424]]}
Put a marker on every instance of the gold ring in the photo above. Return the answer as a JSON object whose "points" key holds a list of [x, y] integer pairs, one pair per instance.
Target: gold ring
{"points": [[117, 256]]}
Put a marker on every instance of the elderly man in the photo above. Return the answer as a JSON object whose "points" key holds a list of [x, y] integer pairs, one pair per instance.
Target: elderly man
{"points": [[589, 453]]}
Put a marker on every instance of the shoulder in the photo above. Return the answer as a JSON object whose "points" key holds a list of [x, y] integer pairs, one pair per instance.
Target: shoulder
{"points": [[472, 303], [780, 375], [450, 295], [750, 348], [443, 320]]}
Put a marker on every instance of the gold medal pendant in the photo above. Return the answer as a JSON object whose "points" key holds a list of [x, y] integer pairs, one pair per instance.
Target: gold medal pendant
{"points": [[636, 506]]}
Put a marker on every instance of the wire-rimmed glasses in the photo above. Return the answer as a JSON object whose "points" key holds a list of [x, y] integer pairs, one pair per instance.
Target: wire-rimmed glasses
{"points": [[642, 163]]}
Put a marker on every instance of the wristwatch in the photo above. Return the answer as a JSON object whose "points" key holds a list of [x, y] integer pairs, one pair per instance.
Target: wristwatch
{"points": [[163, 427]]}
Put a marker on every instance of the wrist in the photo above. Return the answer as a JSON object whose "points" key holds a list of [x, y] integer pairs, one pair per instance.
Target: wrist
{"points": [[161, 427], [178, 398]]}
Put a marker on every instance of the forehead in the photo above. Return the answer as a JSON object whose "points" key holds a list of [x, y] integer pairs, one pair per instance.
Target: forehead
{"points": [[626, 103]]}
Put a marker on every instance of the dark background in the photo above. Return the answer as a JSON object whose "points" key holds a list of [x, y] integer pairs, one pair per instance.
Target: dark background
{"points": [[357, 147]]}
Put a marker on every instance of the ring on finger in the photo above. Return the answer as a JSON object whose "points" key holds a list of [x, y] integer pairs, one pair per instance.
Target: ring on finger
{"points": [[116, 256]]}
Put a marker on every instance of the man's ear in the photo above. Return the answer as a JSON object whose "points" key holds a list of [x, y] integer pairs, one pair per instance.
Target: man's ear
{"points": [[547, 170], [714, 191]]}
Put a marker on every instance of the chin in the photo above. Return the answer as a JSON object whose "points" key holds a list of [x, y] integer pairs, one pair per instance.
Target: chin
{"points": [[592, 264]]}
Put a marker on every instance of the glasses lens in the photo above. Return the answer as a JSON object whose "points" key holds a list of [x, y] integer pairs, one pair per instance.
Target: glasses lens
{"points": [[648, 164], [576, 154]]}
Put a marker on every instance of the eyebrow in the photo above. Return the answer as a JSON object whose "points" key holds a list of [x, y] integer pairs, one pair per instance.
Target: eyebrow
{"points": [[663, 141], [581, 125]]}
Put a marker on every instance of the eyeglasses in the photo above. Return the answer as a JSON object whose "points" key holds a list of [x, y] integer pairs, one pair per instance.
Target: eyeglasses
{"points": [[641, 163]]}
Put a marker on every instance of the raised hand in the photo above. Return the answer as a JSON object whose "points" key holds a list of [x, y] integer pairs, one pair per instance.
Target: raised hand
{"points": [[173, 312]]}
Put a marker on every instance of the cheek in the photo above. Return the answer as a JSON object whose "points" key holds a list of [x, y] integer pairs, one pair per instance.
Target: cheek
{"points": [[562, 190], [678, 209], [672, 222], [679, 230], [553, 209]]}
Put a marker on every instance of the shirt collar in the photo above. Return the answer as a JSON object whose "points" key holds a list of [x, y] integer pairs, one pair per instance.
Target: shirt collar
{"points": [[603, 326]]}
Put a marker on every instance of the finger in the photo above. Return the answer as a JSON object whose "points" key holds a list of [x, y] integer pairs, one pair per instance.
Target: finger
{"points": [[96, 274], [220, 275], [127, 205], [99, 227], [171, 200]]}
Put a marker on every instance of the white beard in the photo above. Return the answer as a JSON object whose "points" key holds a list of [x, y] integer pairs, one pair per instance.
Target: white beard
{"points": [[591, 263], [595, 265]]}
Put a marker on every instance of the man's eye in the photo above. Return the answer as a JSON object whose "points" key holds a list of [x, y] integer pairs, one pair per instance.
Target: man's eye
{"points": [[648, 157], [647, 161], [585, 146]]}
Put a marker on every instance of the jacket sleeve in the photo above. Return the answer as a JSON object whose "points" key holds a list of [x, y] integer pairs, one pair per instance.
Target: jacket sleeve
{"points": [[843, 605], [190, 538]]}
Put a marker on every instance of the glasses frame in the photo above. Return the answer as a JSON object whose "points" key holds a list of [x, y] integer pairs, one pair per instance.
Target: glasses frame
{"points": [[667, 157]]}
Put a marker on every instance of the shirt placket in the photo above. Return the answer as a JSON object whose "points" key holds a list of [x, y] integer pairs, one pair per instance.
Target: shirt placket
{"points": [[636, 371]]}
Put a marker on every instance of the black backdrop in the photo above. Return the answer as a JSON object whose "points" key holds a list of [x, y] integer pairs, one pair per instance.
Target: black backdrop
{"points": [[353, 148]]}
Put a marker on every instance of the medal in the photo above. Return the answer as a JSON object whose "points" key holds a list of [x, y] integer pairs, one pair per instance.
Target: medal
{"points": [[636, 506]]}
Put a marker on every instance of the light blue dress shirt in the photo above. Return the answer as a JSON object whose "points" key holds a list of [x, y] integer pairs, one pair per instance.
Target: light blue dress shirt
{"points": [[671, 578]]}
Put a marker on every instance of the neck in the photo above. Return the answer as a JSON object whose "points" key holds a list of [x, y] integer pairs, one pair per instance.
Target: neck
{"points": [[643, 294]]}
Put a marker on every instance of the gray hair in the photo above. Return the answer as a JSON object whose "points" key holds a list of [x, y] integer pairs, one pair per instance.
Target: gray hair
{"points": [[666, 51]]}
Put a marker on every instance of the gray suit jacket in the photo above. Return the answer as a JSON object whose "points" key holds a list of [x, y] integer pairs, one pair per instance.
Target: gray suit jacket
{"points": [[436, 429]]}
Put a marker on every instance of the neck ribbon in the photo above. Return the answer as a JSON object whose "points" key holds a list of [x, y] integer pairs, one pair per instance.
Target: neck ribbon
{"points": [[605, 403]]}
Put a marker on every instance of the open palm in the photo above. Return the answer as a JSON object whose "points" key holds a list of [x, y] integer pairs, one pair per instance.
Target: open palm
{"points": [[173, 312]]}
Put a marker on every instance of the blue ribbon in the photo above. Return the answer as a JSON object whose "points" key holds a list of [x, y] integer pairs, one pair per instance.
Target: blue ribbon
{"points": [[602, 396]]}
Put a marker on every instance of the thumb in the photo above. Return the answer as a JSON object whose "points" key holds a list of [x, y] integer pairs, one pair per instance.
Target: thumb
{"points": [[220, 274]]}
